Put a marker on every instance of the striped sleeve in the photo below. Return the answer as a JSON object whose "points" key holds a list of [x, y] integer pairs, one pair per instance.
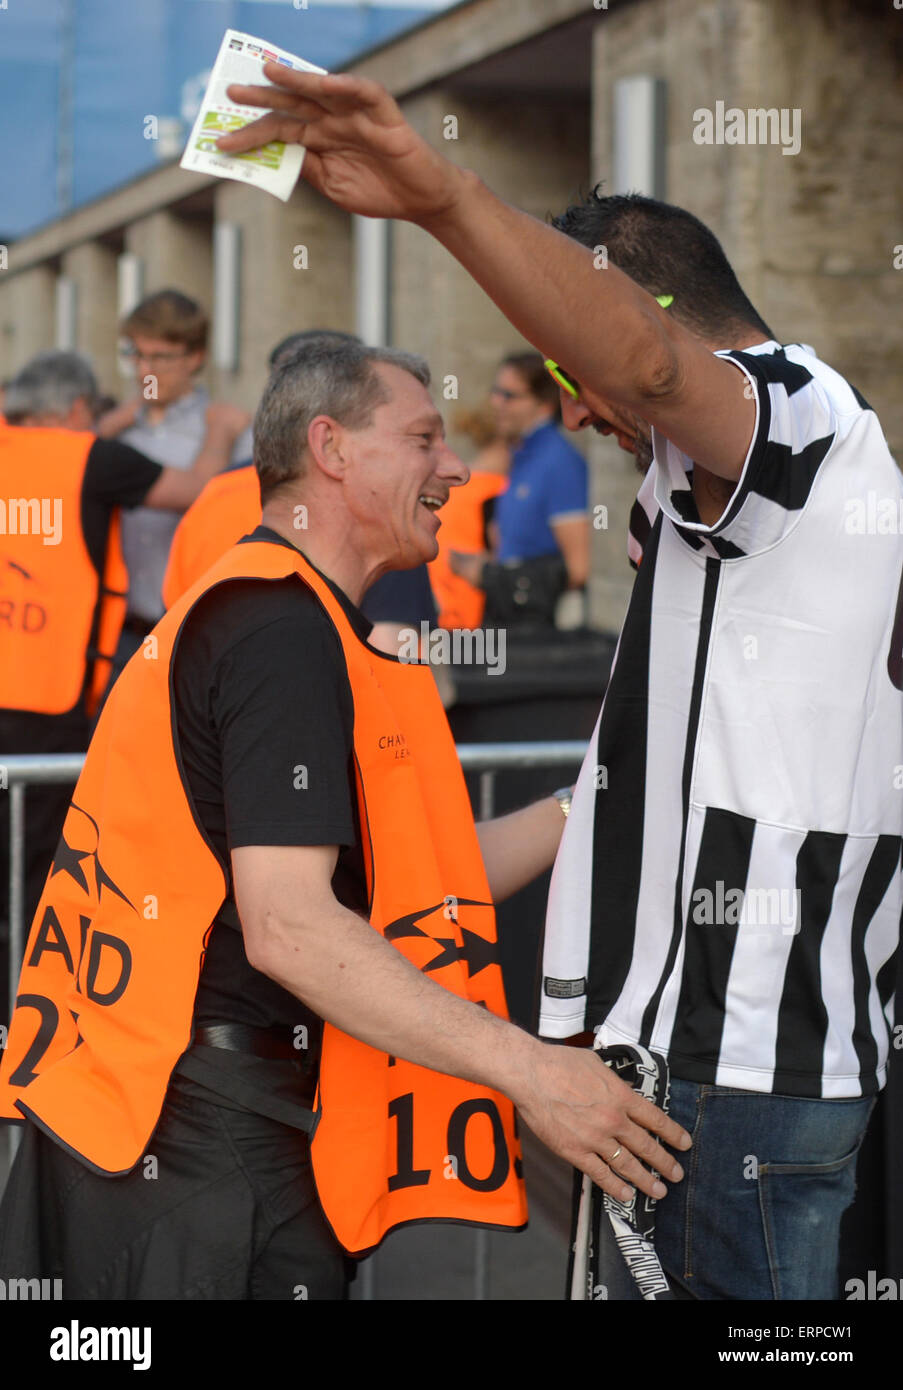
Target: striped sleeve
{"points": [[796, 428]]}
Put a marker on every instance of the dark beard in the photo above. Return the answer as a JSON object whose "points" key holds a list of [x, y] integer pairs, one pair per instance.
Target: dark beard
{"points": [[643, 455], [642, 446]]}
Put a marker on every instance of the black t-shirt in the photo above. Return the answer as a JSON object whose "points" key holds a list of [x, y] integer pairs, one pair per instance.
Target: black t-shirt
{"points": [[401, 596], [264, 720], [116, 475]]}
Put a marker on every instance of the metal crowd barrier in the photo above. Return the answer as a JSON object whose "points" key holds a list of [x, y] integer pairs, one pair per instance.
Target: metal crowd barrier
{"points": [[24, 769]]}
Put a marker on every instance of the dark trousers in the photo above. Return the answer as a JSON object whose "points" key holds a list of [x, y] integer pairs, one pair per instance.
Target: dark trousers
{"points": [[222, 1206]]}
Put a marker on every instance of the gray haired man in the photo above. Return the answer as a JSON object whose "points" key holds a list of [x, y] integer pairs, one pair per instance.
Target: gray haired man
{"points": [[271, 674]]}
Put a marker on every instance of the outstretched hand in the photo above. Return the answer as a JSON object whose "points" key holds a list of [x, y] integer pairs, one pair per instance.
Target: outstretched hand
{"points": [[593, 1119], [361, 152]]}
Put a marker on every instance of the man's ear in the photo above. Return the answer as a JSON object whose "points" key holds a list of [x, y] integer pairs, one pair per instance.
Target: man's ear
{"points": [[326, 442]]}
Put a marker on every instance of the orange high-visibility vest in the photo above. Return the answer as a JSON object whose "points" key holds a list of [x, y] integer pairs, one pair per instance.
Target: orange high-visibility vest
{"points": [[106, 994], [459, 603], [227, 509], [59, 621]]}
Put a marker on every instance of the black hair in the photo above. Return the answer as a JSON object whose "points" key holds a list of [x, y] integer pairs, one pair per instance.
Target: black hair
{"points": [[668, 251]]}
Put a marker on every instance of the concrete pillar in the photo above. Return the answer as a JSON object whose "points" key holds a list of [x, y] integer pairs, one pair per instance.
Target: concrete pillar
{"points": [[6, 330], [176, 254], [92, 267], [296, 274], [27, 309], [834, 212], [533, 153]]}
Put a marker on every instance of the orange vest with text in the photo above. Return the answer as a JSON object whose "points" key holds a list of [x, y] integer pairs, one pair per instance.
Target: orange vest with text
{"points": [[227, 509], [59, 621], [105, 1000]]}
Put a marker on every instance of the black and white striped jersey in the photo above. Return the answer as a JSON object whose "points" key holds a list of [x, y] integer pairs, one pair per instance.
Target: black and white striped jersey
{"points": [[728, 889]]}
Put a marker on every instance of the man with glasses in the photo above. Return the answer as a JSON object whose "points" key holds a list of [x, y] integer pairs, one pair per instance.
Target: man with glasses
{"points": [[167, 343], [728, 890]]}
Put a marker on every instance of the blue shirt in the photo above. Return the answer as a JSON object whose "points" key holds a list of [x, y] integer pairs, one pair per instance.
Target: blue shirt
{"points": [[547, 482]]}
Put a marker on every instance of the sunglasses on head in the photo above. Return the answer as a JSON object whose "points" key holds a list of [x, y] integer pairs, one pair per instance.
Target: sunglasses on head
{"points": [[567, 382]]}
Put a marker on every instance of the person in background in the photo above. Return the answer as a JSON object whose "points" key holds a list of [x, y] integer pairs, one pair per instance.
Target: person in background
{"points": [[542, 529], [167, 342], [62, 577], [467, 526]]}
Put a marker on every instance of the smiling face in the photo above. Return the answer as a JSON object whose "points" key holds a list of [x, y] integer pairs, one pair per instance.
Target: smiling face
{"points": [[399, 472]]}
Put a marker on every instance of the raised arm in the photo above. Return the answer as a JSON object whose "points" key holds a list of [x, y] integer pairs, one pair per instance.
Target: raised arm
{"points": [[297, 933], [176, 488], [607, 332]]}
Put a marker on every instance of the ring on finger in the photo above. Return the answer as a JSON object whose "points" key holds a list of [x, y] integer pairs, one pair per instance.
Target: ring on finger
{"points": [[616, 1153]]}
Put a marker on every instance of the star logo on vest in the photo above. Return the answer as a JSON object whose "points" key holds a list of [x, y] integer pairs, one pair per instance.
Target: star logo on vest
{"points": [[68, 860], [475, 951]]}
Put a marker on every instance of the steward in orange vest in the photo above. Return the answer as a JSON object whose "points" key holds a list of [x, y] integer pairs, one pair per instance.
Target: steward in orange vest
{"points": [[106, 996], [227, 509], [62, 604], [60, 616], [62, 576]]}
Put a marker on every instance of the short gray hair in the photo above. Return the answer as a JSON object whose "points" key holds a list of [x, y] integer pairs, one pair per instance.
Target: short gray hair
{"points": [[50, 384], [323, 378]]}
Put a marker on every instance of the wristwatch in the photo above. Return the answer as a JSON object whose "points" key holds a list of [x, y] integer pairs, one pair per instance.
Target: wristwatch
{"points": [[563, 797]]}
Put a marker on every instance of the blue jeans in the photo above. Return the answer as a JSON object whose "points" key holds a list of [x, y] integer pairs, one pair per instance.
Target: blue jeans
{"points": [[766, 1183]]}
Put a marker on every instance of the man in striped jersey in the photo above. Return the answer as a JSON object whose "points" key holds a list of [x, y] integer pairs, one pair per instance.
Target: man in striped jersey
{"points": [[728, 889], [740, 804]]}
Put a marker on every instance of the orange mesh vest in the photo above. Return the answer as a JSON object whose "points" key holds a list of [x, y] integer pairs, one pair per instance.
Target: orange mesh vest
{"points": [[59, 624], [104, 1009], [227, 509], [459, 603]]}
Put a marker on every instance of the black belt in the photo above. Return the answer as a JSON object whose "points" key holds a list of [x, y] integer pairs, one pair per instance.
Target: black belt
{"points": [[240, 1037]]}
